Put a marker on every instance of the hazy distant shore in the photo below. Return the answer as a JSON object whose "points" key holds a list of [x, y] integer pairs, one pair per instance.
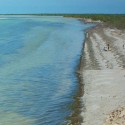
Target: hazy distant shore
{"points": [[102, 67]]}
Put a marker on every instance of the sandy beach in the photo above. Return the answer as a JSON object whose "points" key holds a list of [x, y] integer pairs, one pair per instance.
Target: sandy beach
{"points": [[103, 73]]}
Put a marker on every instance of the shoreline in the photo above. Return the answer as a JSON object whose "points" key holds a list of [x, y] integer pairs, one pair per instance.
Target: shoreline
{"points": [[102, 71], [75, 118]]}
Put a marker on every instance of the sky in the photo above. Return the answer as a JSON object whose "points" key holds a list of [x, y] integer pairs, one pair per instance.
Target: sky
{"points": [[62, 6]]}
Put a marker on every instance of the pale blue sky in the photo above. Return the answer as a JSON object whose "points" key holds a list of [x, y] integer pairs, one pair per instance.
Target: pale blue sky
{"points": [[62, 6]]}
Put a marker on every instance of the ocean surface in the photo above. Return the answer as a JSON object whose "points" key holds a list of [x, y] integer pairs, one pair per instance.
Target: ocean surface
{"points": [[38, 62]]}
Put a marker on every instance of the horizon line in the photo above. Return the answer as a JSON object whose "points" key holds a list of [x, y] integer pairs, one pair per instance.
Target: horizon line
{"points": [[62, 13]]}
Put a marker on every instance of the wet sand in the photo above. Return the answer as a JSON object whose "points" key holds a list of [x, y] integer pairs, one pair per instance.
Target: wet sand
{"points": [[103, 73]]}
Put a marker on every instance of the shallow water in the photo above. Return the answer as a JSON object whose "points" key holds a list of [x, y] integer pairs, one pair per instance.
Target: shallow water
{"points": [[38, 60]]}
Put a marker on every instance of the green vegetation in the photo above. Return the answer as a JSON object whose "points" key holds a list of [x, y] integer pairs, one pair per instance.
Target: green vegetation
{"points": [[114, 20]]}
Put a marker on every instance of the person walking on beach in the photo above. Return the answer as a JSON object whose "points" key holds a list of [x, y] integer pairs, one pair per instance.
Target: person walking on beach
{"points": [[108, 46]]}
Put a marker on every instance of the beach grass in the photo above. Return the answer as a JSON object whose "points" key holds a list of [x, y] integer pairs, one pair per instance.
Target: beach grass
{"points": [[114, 20]]}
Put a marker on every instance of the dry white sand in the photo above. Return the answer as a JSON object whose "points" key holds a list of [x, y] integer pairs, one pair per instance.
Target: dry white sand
{"points": [[104, 82]]}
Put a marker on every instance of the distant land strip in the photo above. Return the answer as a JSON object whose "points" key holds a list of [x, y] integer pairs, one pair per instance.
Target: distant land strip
{"points": [[112, 20]]}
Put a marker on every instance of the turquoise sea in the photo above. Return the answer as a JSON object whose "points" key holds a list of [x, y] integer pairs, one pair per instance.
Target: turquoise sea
{"points": [[38, 62]]}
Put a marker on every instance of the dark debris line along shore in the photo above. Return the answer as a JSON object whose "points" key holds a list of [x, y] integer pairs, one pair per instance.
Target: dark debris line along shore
{"points": [[77, 106]]}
